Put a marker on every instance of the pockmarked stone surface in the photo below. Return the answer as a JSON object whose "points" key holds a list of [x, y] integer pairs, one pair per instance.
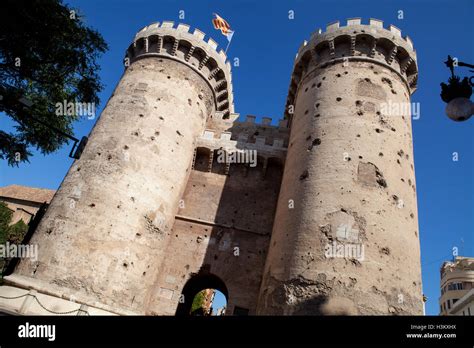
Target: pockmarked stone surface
{"points": [[172, 194], [350, 243]]}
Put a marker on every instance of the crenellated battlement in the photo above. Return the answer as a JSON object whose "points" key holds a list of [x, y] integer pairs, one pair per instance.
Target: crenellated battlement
{"points": [[266, 122], [190, 48], [356, 23], [175, 182], [267, 139]]}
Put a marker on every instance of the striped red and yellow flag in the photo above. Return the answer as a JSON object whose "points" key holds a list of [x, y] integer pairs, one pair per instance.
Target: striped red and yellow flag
{"points": [[221, 24]]}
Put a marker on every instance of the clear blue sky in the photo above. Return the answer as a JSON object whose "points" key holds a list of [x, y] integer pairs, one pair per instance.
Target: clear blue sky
{"points": [[219, 302], [266, 42]]}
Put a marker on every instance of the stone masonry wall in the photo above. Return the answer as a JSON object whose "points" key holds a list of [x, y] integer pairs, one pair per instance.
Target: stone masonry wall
{"points": [[103, 236], [224, 229], [349, 174]]}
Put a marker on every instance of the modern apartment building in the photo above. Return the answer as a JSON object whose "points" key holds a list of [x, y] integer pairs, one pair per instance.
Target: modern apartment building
{"points": [[457, 287]]}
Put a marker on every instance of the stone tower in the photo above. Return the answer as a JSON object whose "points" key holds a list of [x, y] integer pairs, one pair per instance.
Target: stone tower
{"points": [[345, 236], [104, 235], [323, 220]]}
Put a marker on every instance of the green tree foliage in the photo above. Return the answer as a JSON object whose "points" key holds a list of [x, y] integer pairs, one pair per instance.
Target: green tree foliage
{"points": [[198, 301], [5, 218], [47, 56], [9, 233], [17, 231]]}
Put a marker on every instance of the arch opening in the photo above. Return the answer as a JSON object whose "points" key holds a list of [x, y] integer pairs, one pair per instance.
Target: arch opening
{"points": [[200, 293], [201, 162]]}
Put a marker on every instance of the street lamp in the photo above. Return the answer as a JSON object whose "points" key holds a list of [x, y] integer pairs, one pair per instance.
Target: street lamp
{"points": [[457, 93], [78, 145], [13, 99]]}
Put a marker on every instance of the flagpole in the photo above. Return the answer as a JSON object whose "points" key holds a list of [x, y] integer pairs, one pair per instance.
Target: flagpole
{"points": [[228, 44], [227, 47]]}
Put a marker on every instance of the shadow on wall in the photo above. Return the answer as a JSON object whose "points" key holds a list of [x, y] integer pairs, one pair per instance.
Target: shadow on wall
{"points": [[232, 216]]}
